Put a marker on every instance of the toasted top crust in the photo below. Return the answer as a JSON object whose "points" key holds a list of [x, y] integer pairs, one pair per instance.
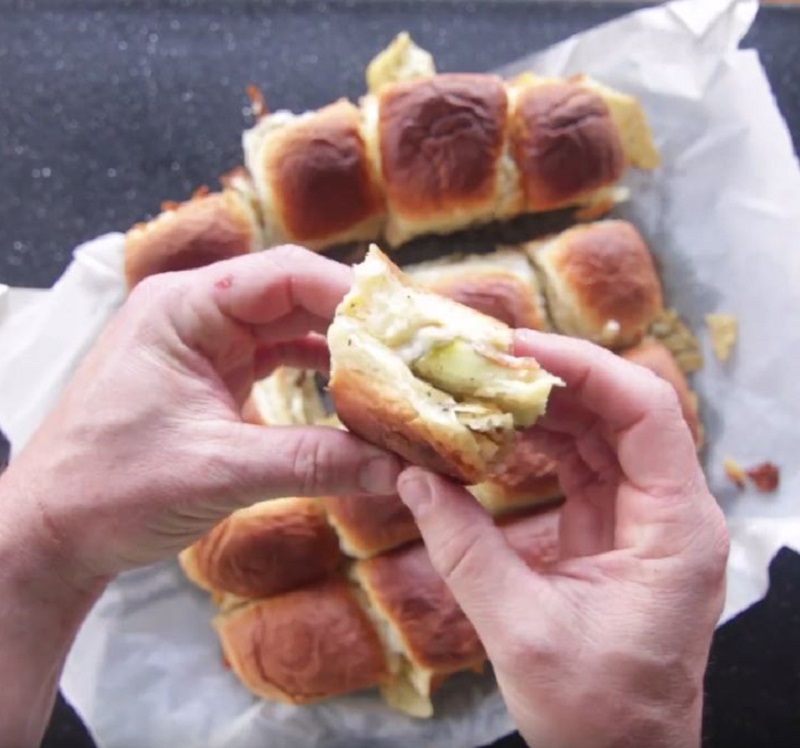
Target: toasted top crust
{"points": [[601, 282], [368, 525], [265, 549], [199, 232], [406, 590], [655, 356], [501, 284], [565, 143], [319, 173], [304, 646], [440, 142]]}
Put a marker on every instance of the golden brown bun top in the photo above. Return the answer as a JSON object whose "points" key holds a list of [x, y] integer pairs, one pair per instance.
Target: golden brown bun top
{"points": [[320, 174], [440, 140], [405, 588], [565, 143], [268, 548], [611, 277], [499, 293], [309, 644], [199, 232], [369, 525], [655, 356]]}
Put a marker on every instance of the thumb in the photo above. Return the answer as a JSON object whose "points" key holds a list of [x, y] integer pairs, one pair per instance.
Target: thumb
{"points": [[275, 461], [466, 548]]}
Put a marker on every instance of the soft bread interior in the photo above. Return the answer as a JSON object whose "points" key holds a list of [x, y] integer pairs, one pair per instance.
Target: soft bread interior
{"points": [[451, 363], [288, 397], [255, 142]]}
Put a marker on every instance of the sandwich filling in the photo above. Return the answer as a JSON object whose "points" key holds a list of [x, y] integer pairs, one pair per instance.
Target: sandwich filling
{"points": [[451, 363]]}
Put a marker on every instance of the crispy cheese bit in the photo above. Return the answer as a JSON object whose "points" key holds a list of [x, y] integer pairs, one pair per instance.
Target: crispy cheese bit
{"points": [[735, 472], [402, 60], [724, 329], [682, 343], [458, 368], [765, 477], [258, 104]]}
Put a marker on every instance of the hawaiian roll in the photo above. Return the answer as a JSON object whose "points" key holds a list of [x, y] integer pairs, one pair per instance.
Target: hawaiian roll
{"points": [[428, 378]]}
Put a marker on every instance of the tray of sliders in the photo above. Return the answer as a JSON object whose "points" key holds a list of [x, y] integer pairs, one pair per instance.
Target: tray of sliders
{"points": [[419, 347]]}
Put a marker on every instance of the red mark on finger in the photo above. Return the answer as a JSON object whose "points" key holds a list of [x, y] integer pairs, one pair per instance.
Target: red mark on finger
{"points": [[224, 282]]}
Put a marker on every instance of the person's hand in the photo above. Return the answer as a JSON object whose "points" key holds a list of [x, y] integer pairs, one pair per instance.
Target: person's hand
{"points": [[608, 646], [146, 450]]}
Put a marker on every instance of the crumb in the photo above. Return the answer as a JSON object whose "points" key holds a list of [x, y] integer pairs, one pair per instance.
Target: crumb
{"points": [[735, 472], [765, 477], [724, 329], [258, 104], [682, 343]]}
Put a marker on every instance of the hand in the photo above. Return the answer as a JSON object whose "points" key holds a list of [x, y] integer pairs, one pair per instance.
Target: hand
{"points": [[608, 646], [147, 450]]}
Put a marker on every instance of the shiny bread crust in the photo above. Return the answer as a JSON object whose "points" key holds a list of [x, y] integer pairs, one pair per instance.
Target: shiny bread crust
{"points": [[199, 232], [565, 144], [304, 646], [441, 140], [324, 186], [368, 525], [265, 550], [601, 282]]}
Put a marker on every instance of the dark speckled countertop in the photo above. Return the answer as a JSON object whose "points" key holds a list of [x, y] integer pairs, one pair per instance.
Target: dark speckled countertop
{"points": [[108, 108]]}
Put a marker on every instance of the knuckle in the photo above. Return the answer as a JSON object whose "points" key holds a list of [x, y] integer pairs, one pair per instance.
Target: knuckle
{"points": [[313, 466], [458, 555]]}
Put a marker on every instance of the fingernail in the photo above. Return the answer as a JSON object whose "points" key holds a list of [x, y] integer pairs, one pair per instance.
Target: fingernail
{"points": [[379, 476], [415, 490]]}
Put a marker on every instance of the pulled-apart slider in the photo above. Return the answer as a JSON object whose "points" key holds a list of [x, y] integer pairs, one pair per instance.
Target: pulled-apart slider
{"points": [[428, 378]]}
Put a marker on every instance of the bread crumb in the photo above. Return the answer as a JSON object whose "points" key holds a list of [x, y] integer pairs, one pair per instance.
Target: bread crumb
{"points": [[735, 472], [765, 477], [724, 329], [682, 343]]}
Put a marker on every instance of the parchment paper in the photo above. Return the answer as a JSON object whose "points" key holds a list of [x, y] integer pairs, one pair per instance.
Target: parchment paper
{"points": [[723, 217]]}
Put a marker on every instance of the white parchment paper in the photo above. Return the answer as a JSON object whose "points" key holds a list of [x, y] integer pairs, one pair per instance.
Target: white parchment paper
{"points": [[723, 217]]}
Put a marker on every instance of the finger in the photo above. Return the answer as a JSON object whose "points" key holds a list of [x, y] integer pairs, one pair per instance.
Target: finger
{"points": [[588, 515], [655, 448], [310, 352], [281, 461], [466, 548], [263, 287], [605, 384], [294, 325]]}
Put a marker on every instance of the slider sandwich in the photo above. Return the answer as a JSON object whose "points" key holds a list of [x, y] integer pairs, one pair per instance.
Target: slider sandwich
{"points": [[428, 378]]}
